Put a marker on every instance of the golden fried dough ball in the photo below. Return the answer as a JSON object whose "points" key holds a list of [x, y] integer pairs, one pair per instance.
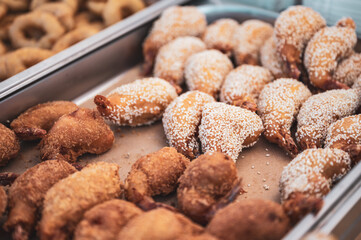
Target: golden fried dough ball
{"points": [[3, 200], [324, 50], [320, 111], [278, 105], [254, 219], [82, 131], [243, 86], [228, 129], [308, 177], [171, 58], [9, 145], [206, 71], [205, 181], [249, 38], [160, 224], [220, 35], [138, 103], [348, 70], [174, 22], [271, 59], [181, 120], [66, 202], [345, 134], [36, 121], [105, 220], [26, 195], [294, 28], [154, 174]]}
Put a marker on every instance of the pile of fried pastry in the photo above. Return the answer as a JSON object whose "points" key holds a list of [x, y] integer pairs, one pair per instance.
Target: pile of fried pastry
{"points": [[299, 71]]}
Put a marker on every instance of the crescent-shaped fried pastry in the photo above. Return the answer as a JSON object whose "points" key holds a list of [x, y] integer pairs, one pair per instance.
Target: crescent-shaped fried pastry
{"points": [[228, 129], [174, 22], [345, 134], [201, 187], [308, 177], [249, 38], [205, 71], [278, 104], [271, 59], [170, 61], [138, 103], [67, 201], [181, 120], [35, 122], [26, 195], [219, 35], [324, 50], [3, 201], [243, 86], [82, 131], [294, 28], [348, 70], [105, 220], [154, 174], [320, 111], [9, 145]]}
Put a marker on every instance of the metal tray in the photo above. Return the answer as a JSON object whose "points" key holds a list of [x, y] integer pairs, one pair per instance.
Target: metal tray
{"points": [[113, 62]]}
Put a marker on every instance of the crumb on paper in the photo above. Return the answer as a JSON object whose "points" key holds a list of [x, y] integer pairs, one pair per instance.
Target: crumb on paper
{"points": [[248, 185], [259, 173], [252, 167], [266, 187], [264, 180], [267, 155], [267, 163]]}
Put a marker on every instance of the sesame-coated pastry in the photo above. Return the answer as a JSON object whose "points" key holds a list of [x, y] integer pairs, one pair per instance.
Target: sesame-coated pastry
{"points": [[271, 59], [137, 103], [294, 28], [9, 145], [181, 120], [348, 70], [278, 106]]}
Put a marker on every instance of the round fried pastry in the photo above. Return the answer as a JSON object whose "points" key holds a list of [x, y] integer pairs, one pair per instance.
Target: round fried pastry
{"points": [[71, 3], [116, 10], [9, 145], [16, 5], [61, 11], [271, 59], [96, 6]]}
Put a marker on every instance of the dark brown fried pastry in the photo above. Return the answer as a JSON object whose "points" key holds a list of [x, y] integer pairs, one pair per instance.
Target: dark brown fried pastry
{"points": [[35, 122], [9, 145], [82, 131], [26, 195]]}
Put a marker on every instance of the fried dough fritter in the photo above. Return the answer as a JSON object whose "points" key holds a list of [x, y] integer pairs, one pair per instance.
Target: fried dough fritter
{"points": [[160, 224], [249, 38], [243, 86], [254, 219], [82, 131], [154, 174], [174, 22], [324, 50], [181, 120], [9, 145], [320, 111], [294, 28], [66, 202], [105, 220], [205, 71], [26, 195], [205, 181], [171, 58], [348, 70], [138, 103], [228, 129], [279, 103], [308, 177], [3, 200], [220, 35], [35, 122], [271, 59]]}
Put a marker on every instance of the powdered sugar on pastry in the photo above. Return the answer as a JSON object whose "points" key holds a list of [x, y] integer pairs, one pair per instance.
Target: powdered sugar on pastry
{"points": [[271, 59], [348, 69]]}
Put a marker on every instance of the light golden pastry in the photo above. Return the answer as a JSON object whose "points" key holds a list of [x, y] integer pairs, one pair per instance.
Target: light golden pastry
{"points": [[348, 70], [271, 59]]}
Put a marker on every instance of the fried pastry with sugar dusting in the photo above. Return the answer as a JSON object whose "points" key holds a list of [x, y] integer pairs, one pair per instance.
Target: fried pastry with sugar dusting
{"points": [[9, 145], [181, 120], [309, 177], [243, 86], [271, 59], [278, 105], [348, 70], [171, 58], [228, 129], [206, 71], [325, 49], [219, 35], [82, 131], [3, 200], [35, 122], [249, 38], [174, 22], [294, 28], [320, 111], [138, 103]]}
